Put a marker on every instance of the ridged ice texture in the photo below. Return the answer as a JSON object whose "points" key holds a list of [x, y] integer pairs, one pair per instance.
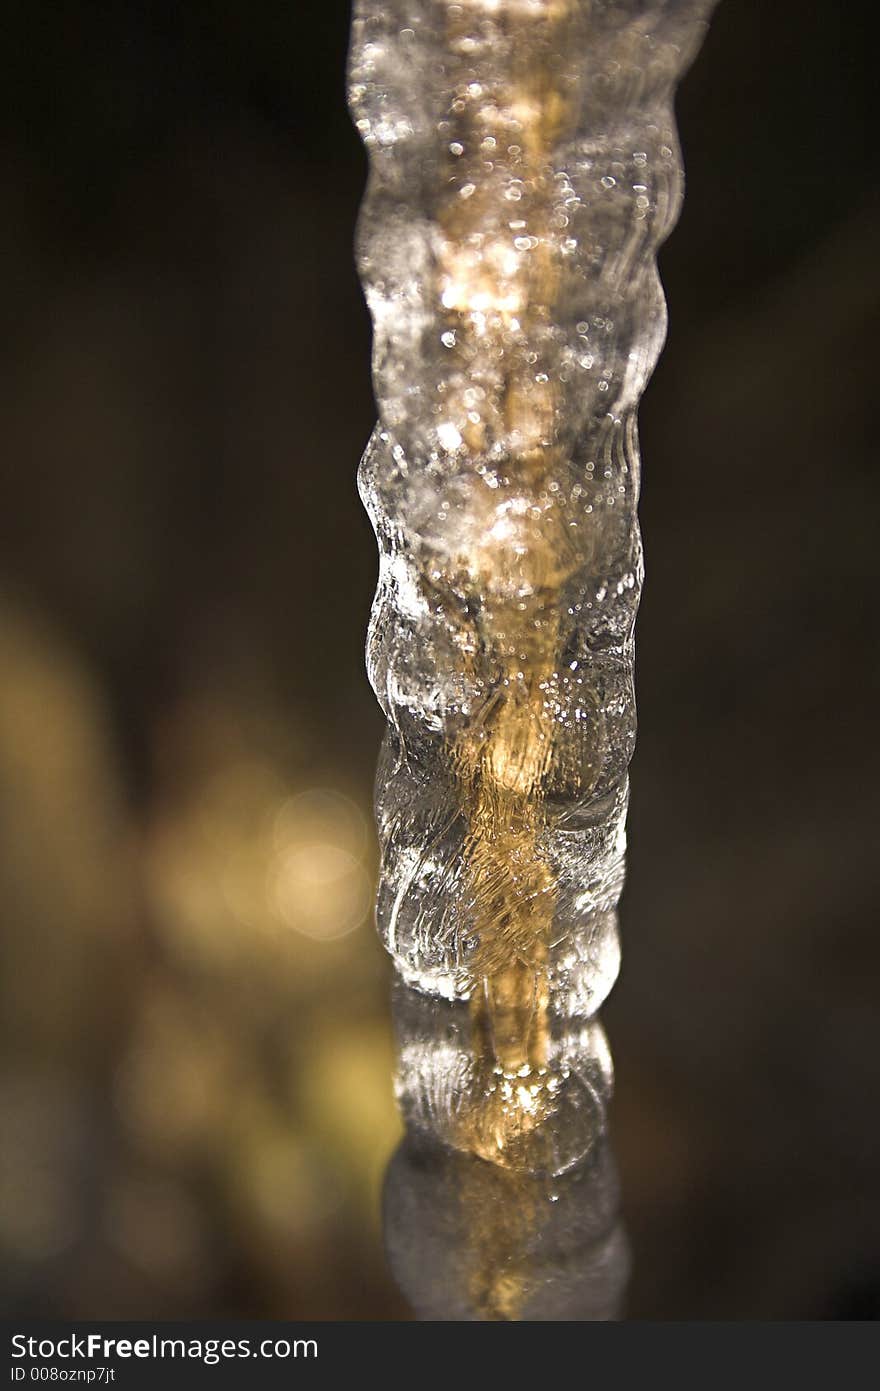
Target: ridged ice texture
{"points": [[453, 1091], [469, 1241], [524, 168]]}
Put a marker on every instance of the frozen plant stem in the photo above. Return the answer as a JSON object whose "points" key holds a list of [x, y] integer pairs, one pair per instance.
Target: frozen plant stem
{"points": [[523, 170]]}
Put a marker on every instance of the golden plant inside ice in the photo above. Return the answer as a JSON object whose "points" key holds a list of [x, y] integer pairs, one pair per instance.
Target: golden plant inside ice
{"points": [[498, 280]]}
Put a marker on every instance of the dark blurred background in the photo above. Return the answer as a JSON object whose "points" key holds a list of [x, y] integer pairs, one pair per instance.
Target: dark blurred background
{"points": [[195, 1089]]}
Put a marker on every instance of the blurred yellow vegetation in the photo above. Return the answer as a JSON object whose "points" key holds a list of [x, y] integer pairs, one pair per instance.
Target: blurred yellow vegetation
{"points": [[197, 1007]]}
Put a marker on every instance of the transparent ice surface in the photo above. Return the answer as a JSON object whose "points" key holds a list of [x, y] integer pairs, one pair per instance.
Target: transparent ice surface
{"points": [[469, 1240], [539, 1114], [524, 168]]}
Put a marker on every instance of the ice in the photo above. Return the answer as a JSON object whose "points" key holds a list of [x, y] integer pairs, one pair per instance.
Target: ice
{"points": [[468, 1240], [524, 168]]}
